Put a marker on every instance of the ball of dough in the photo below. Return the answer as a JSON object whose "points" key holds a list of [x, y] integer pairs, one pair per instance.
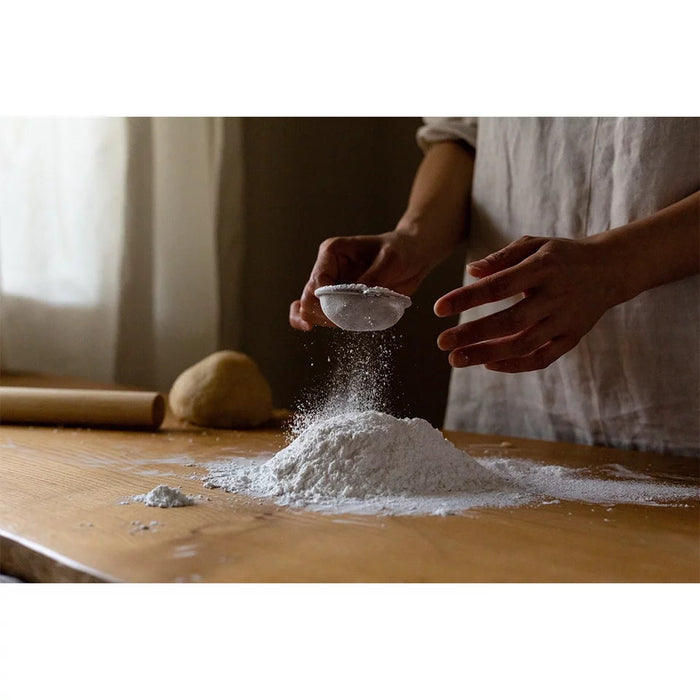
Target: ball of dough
{"points": [[224, 390]]}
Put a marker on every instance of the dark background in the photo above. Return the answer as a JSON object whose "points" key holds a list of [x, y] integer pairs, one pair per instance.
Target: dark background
{"points": [[307, 179]]}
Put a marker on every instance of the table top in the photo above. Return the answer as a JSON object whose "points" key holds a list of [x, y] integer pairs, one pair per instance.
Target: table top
{"points": [[61, 519]]}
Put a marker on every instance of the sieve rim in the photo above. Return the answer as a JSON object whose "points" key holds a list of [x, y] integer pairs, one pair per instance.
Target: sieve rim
{"points": [[379, 292]]}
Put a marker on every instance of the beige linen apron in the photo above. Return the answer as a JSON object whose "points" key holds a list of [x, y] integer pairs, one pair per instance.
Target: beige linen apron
{"points": [[634, 380]]}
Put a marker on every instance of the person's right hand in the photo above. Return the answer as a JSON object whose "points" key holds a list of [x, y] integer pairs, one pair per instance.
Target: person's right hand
{"points": [[392, 260]]}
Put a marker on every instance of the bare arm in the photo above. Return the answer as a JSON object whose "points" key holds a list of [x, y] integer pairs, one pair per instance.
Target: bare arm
{"points": [[438, 206], [656, 250]]}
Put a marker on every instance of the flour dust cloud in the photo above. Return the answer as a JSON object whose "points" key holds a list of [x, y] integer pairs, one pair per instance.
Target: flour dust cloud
{"points": [[358, 375]]}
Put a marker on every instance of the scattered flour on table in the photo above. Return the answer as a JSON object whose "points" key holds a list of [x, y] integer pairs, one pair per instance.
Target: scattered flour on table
{"points": [[165, 497], [372, 462], [138, 526]]}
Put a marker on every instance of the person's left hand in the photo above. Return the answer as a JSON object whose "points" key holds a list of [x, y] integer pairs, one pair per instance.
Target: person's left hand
{"points": [[567, 285]]}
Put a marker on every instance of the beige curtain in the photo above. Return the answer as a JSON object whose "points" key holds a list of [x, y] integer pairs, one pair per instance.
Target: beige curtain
{"points": [[112, 232]]}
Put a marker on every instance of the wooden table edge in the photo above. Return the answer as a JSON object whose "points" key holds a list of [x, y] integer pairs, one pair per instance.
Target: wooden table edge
{"points": [[30, 561]]}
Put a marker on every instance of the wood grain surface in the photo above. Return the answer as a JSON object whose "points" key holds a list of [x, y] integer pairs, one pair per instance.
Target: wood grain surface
{"points": [[61, 519]]}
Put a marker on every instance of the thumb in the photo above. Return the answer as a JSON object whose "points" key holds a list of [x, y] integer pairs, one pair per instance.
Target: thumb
{"points": [[506, 257]]}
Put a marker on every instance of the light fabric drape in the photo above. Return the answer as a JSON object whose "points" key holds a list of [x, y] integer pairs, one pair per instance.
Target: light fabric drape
{"points": [[109, 236]]}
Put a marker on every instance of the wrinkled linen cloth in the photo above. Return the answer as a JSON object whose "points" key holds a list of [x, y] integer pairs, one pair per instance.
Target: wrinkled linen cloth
{"points": [[634, 380]]}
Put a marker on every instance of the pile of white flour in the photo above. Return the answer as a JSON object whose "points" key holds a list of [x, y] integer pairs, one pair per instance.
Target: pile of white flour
{"points": [[371, 462], [163, 496], [362, 455]]}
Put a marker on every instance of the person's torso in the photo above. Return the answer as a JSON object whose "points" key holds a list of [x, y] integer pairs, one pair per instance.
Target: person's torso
{"points": [[633, 381]]}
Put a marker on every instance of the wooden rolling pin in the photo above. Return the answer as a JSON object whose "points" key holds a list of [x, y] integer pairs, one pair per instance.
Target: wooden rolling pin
{"points": [[113, 409]]}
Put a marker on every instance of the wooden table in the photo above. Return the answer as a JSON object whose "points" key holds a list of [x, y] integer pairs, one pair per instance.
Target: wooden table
{"points": [[61, 519]]}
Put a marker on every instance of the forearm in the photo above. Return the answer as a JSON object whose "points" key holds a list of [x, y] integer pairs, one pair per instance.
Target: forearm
{"points": [[437, 214], [656, 250]]}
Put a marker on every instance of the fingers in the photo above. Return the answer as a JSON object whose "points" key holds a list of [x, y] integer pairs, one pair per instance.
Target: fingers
{"points": [[500, 285], [506, 257], [309, 309], [515, 346], [539, 359], [522, 338], [559, 306], [306, 312], [370, 260], [295, 318], [341, 260], [304, 318], [508, 322], [325, 270]]}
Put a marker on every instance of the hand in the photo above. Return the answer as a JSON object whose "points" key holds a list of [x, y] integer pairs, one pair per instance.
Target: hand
{"points": [[393, 260], [567, 285]]}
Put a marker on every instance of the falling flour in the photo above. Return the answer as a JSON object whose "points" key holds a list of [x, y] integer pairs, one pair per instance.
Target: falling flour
{"points": [[165, 497], [371, 462], [358, 378]]}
